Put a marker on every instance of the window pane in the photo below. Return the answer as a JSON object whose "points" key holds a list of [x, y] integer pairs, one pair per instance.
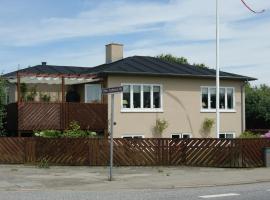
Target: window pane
{"points": [[222, 98], [230, 99], [126, 96], [213, 97], [93, 94], [229, 135], [222, 136], [127, 137], [146, 96], [185, 136], [136, 96], [176, 136], [156, 93], [205, 98], [137, 137]]}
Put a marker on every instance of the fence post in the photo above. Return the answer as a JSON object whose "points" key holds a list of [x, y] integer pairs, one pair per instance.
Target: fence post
{"points": [[30, 150]]}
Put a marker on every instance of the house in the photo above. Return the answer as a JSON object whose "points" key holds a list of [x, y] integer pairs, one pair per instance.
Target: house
{"points": [[50, 97]]}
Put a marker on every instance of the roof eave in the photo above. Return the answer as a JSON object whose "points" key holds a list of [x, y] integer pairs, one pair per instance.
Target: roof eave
{"points": [[175, 75]]}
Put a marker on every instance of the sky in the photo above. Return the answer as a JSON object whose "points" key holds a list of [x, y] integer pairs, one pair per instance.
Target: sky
{"points": [[75, 32]]}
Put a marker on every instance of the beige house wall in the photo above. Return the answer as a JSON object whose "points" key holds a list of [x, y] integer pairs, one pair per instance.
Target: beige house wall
{"points": [[181, 108]]}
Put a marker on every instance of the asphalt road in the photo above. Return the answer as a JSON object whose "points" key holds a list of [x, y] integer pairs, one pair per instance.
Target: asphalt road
{"points": [[259, 191]]}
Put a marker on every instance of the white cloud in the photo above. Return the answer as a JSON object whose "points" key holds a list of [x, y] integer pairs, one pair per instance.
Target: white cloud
{"points": [[182, 27]]}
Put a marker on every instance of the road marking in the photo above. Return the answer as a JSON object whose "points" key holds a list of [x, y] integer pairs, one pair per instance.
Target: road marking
{"points": [[219, 195]]}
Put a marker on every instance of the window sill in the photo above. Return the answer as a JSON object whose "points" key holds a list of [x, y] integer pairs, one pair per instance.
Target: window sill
{"points": [[221, 111], [142, 110]]}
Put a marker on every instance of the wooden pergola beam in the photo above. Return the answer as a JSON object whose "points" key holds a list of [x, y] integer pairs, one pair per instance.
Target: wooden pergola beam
{"points": [[58, 75]]}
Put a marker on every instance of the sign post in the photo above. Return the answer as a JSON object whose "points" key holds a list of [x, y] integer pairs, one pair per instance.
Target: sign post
{"points": [[111, 91]]}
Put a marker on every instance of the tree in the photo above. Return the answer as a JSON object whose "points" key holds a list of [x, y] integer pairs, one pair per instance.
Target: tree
{"points": [[180, 60], [2, 105], [258, 107]]}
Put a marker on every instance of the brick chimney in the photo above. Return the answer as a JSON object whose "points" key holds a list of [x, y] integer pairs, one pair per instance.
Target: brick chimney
{"points": [[114, 52]]}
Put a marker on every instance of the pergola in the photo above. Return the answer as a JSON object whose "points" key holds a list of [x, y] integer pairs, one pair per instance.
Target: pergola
{"points": [[50, 79]]}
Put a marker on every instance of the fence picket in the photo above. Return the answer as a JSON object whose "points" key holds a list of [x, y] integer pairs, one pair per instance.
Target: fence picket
{"points": [[204, 152]]}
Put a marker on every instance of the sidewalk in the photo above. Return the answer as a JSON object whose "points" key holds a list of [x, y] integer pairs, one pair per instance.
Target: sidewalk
{"points": [[24, 178]]}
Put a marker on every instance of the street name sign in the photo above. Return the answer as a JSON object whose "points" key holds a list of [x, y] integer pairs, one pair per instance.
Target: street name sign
{"points": [[112, 90]]}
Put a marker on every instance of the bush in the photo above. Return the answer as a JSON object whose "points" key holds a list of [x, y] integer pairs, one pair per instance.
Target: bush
{"points": [[74, 130], [249, 134], [49, 134], [161, 125]]}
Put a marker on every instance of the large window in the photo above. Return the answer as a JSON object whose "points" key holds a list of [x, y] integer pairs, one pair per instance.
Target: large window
{"points": [[92, 93], [142, 98], [226, 96]]}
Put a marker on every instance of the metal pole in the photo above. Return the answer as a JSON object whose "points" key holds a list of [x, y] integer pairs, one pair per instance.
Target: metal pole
{"points": [[217, 70], [111, 136]]}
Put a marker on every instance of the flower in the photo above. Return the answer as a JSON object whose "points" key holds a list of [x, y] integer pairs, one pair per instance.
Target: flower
{"points": [[266, 135]]}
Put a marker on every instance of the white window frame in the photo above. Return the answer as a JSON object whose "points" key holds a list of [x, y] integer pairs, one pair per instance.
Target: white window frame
{"points": [[233, 133], [123, 136], [181, 135], [141, 109], [209, 109]]}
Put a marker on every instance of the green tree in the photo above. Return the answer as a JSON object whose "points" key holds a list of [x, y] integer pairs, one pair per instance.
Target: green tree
{"points": [[2, 105], [258, 107], [180, 60]]}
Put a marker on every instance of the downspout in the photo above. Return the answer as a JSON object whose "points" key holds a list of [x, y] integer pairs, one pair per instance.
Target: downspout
{"points": [[243, 117]]}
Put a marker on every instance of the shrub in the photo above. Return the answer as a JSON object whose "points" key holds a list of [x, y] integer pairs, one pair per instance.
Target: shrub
{"points": [[49, 134], [249, 134], [45, 97], [32, 94], [161, 125], [208, 124], [74, 130], [43, 163]]}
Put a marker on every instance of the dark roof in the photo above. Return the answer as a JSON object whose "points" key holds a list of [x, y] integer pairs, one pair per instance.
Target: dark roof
{"points": [[51, 69], [146, 65], [139, 65]]}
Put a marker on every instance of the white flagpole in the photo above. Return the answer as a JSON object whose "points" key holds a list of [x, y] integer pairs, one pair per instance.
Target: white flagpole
{"points": [[217, 71]]}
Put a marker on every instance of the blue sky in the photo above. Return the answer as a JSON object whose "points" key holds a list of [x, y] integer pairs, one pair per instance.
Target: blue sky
{"points": [[74, 32]]}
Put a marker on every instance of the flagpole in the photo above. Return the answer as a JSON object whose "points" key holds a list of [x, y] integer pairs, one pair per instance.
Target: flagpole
{"points": [[217, 70]]}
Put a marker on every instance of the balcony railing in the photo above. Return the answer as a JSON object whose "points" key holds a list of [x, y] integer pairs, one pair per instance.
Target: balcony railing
{"points": [[30, 116]]}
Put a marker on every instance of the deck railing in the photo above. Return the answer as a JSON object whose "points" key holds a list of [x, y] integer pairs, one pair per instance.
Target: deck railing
{"points": [[57, 116]]}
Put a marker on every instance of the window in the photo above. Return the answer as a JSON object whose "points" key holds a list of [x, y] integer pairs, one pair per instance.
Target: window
{"points": [[133, 136], [156, 94], [142, 98], [204, 98], [146, 96], [226, 97], [136, 96], [230, 99], [226, 135], [92, 93], [213, 98], [181, 135], [126, 96]]}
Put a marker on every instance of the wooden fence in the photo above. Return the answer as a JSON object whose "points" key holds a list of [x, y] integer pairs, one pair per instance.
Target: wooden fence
{"points": [[135, 152], [29, 116]]}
